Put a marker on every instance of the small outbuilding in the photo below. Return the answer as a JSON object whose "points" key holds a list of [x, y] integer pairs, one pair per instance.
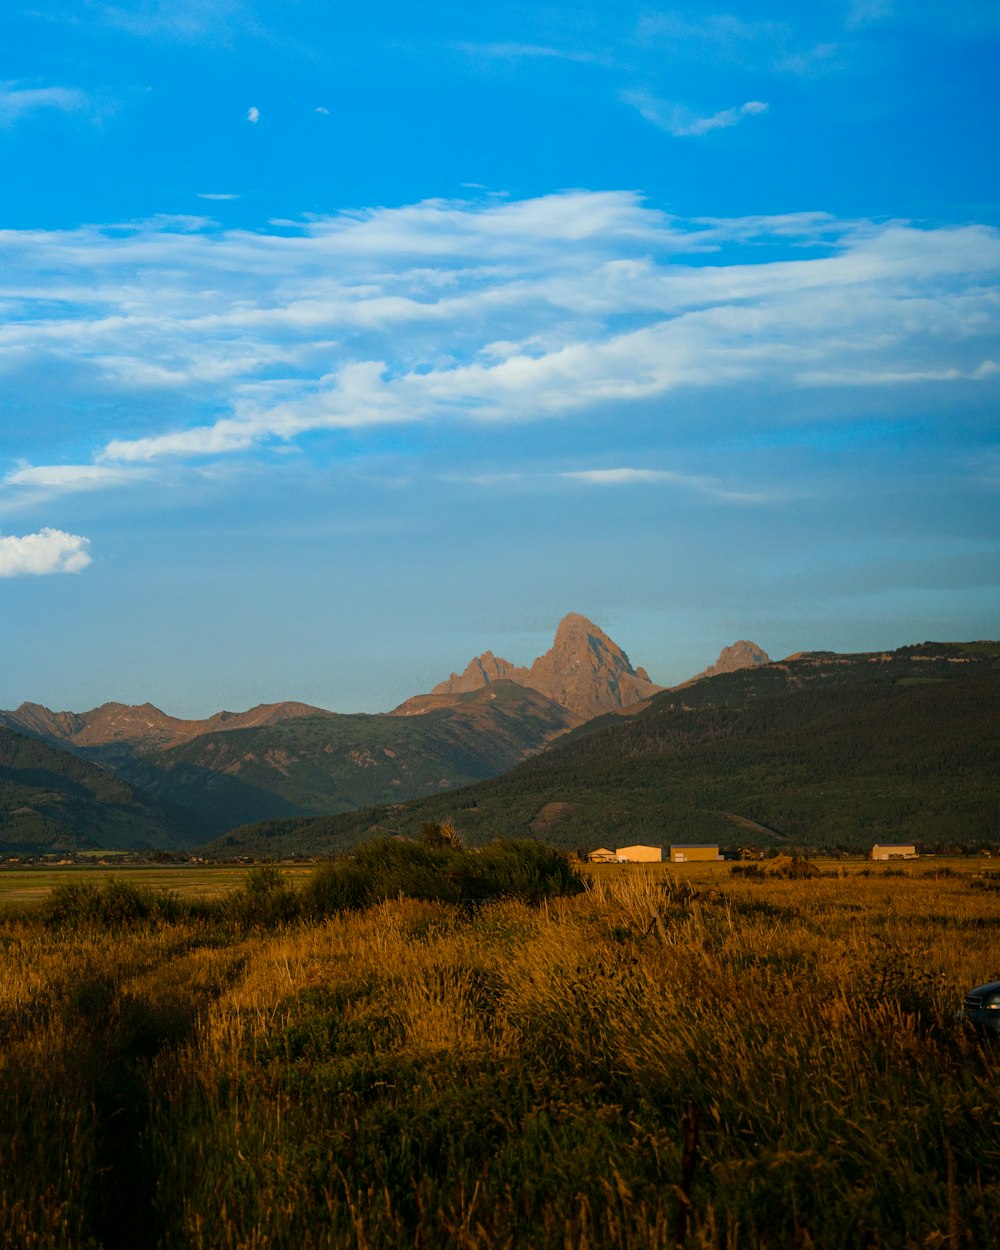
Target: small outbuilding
{"points": [[602, 856], [640, 854], [897, 850], [693, 852]]}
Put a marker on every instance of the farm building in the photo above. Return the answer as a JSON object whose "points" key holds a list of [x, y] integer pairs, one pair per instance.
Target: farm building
{"points": [[602, 856], [693, 852], [639, 854], [901, 850]]}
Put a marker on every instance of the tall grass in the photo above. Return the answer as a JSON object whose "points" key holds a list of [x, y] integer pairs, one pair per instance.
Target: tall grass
{"points": [[419, 1072]]}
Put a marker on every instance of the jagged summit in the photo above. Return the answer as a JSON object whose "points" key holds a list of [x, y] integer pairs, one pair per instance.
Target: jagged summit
{"points": [[742, 654], [584, 671]]}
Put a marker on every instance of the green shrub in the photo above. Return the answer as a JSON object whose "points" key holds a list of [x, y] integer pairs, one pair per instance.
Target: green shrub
{"points": [[113, 905], [262, 900], [390, 868], [517, 869], [385, 868]]}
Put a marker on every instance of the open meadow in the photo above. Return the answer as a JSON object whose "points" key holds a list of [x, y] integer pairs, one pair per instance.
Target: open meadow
{"points": [[23, 886], [642, 1059]]}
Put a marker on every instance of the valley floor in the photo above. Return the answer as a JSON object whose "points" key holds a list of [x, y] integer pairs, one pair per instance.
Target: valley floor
{"points": [[704, 1060]]}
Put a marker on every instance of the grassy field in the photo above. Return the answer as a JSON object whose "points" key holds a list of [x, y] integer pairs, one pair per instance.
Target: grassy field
{"points": [[21, 886], [668, 1058]]}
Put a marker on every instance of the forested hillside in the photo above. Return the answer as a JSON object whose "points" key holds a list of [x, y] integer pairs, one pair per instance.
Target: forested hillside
{"points": [[819, 750], [52, 800], [328, 764]]}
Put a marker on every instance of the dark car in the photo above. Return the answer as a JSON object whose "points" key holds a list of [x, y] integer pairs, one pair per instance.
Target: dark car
{"points": [[982, 1006]]}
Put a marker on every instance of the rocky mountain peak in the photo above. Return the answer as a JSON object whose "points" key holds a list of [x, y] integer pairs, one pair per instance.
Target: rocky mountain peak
{"points": [[584, 671], [741, 654]]}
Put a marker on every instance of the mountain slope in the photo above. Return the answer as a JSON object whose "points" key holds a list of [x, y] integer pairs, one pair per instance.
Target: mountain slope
{"points": [[51, 800], [309, 765], [819, 749]]}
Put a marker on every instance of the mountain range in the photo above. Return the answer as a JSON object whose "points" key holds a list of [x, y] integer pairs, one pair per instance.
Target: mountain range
{"points": [[294, 760], [818, 748]]}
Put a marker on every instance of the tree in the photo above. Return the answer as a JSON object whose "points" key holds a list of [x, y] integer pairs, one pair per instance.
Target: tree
{"points": [[444, 834]]}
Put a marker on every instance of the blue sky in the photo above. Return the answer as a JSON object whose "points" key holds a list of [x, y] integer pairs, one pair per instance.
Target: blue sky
{"points": [[336, 347]]}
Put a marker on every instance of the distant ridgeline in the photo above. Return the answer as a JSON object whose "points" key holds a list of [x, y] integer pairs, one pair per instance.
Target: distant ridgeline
{"points": [[819, 749]]}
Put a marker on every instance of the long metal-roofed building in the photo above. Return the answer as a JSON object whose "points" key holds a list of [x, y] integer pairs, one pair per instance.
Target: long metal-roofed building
{"points": [[693, 852]]}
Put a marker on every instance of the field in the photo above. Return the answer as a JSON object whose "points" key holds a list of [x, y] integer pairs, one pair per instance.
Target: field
{"points": [[662, 1059], [22, 886]]}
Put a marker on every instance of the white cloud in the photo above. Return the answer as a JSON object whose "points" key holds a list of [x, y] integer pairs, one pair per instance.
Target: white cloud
{"points": [[48, 551], [253, 115], [621, 477], [63, 478], [678, 120], [653, 477], [624, 477], [491, 311], [217, 195], [530, 51], [324, 112], [17, 102]]}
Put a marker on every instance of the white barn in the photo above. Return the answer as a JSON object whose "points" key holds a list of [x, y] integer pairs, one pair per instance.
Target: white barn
{"points": [[639, 854]]}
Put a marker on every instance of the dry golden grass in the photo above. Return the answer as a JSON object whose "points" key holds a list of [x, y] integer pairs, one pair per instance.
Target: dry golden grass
{"points": [[419, 1074]]}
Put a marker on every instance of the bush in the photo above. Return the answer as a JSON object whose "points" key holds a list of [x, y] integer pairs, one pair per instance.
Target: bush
{"points": [[525, 870], [379, 870], [388, 868], [113, 905], [262, 900]]}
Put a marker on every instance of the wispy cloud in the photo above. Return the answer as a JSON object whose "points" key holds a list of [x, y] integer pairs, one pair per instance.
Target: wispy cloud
{"points": [[665, 477], [864, 12], [183, 20], [681, 122], [531, 51], [17, 102], [65, 478], [486, 312], [253, 115], [48, 551], [217, 195], [723, 40], [711, 487]]}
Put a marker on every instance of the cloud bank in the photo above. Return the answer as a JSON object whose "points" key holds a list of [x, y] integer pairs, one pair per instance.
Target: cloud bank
{"points": [[48, 551], [493, 311]]}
